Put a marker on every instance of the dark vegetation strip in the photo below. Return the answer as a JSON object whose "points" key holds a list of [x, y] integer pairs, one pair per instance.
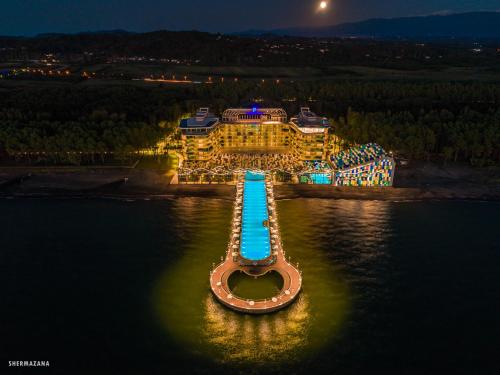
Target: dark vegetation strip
{"points": [[92, 125]]}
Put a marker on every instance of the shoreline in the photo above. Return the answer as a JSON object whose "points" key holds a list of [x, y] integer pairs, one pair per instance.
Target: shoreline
{"points": [[282, 192], [125, 184]]}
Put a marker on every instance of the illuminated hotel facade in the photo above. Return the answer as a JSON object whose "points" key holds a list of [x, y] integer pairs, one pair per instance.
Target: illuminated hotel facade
{"points": [[266, 130], [307, 139]]}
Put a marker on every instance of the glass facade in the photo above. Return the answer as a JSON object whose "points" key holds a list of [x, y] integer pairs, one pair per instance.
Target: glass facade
{"points": [[257, 137]]}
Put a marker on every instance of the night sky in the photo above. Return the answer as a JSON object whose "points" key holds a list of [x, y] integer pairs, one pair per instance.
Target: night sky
{"points": [[29, 17]]}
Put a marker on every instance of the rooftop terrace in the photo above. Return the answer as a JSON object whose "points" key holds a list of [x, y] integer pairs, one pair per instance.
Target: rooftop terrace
{"points": [[203, 119], [306, 119]]}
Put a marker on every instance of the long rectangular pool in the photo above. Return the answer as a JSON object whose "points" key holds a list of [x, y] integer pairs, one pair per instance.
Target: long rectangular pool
{"points": [[255, 243]]}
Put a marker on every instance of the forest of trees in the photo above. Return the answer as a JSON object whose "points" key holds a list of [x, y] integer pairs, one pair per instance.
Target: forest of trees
{"points": [[439, 135], [75, 126], [418, 120]]}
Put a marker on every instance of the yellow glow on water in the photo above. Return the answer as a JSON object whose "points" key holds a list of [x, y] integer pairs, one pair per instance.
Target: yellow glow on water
{"points": [[205, 326], [255, 338], [188, 312]]}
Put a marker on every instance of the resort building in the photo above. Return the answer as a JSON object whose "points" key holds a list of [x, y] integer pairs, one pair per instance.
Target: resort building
{"points": [[255, 130], [200, 135], [303, 149]]}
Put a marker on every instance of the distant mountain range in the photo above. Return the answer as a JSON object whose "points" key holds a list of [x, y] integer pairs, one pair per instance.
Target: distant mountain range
{"points": [[481, 25], [98, 32]]}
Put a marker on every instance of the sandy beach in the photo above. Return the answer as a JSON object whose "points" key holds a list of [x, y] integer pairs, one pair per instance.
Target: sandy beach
{"points": [[424, 182]]}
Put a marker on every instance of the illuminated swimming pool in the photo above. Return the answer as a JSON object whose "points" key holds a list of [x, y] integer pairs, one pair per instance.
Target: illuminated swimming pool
{"points": [[254, 234], [321, 178]]}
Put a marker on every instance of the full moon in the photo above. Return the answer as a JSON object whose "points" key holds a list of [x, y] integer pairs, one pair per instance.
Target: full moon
{"points": [[323, 5]]}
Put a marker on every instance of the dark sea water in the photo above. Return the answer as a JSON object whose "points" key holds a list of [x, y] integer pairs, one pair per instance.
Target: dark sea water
{"points": [[389, 287]]}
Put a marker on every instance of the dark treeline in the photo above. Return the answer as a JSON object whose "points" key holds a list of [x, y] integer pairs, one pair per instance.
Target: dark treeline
{"points": [[465, 136], [334, 99], [422, 121], [442, 121], [88, 141], [88, 126]]}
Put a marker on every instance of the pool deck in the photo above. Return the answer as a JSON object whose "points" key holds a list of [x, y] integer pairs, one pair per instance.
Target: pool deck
{"points": [[234, 262]]}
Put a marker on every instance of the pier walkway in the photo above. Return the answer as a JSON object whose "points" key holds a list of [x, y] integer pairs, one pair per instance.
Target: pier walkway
{"points": [[255, 248]]}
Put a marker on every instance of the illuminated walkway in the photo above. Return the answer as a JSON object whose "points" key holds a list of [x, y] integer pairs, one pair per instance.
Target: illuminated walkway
{"points": [[255, 248]]}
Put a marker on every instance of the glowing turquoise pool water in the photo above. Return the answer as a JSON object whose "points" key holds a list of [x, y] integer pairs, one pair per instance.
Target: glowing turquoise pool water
{"points": [[321, 178], [254, 235]]}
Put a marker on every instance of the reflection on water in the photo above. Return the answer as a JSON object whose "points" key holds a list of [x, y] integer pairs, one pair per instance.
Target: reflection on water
{"points": [[387, 288], [256, 338], [251, 287], [188, 311]]}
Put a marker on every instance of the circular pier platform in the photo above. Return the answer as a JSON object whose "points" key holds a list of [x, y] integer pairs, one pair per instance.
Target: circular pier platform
{"points": [[292, 284]]}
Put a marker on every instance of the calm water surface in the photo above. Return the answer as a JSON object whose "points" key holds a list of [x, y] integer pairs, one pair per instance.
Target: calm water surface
{"points": [[393, 287]]}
